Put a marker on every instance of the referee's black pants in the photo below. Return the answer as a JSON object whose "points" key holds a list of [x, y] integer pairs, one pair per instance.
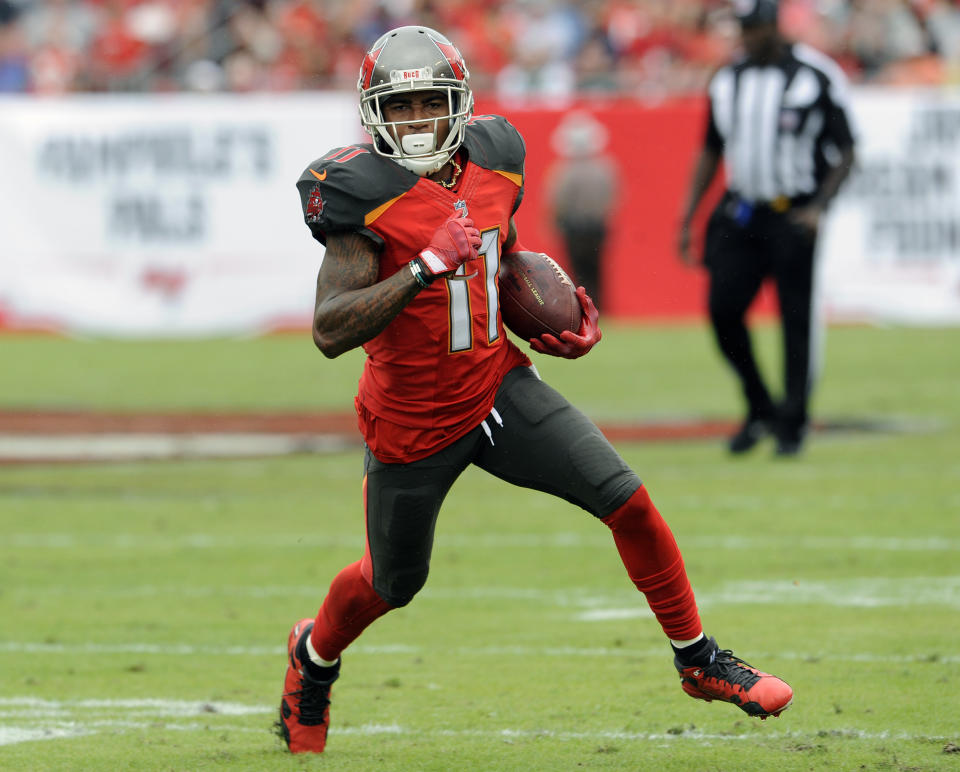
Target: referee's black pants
{"points": [[739, 254]]}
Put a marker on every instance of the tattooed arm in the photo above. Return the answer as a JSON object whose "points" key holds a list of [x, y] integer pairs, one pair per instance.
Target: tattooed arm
{"points": [[352, 306]]}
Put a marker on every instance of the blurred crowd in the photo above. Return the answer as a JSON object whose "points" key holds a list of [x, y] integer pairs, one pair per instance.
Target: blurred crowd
{"points": [[515, 48]]}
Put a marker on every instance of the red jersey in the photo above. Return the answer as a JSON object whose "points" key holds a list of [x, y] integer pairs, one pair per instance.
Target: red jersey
{"points": [[432, 374]]}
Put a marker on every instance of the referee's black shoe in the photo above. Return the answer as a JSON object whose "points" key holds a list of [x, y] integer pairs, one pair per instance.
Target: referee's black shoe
{"points": [[754, 429], [789, 440]]}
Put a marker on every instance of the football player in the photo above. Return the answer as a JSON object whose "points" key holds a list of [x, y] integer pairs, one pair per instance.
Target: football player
{"points": [[415, 225]]}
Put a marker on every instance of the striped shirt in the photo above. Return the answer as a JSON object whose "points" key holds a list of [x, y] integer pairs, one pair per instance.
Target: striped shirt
{"points": [[779, 126]]}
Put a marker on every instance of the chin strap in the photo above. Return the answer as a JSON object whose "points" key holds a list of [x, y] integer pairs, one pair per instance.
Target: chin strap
{"points": [[415, 147], [422, 166]]}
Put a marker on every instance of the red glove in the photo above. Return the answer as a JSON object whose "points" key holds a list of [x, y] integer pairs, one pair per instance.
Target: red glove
{"points": [[453, 243], [571, 345]]}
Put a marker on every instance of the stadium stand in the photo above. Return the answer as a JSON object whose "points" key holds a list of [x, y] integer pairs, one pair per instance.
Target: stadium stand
{"points": [[644, 49]]}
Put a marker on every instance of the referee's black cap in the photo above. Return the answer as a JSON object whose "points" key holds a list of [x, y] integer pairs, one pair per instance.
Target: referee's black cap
{"points": [[752, 13]]}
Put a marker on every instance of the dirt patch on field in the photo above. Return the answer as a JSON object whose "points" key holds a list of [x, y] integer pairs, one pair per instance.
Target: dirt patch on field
{"points": [[92, 422], [82, 435]]}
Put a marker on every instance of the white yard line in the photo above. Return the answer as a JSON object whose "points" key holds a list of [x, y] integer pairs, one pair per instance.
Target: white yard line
{"points": [[399, 649], [863, 592], [10, 735], [593, 605], [41, 719], [53, 720], [153, 706], [533, 734], [558, 540]]}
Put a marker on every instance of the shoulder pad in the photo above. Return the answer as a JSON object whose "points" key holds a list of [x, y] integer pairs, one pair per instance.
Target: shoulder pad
{"points": [[339, 190], [493, 143]]}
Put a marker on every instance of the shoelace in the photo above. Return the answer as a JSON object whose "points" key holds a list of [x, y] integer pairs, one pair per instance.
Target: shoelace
{"points": [[726, 667], [313, 699]]}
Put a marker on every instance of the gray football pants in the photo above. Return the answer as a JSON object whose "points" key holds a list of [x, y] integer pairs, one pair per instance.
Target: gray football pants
{"points": [[533, 438]]}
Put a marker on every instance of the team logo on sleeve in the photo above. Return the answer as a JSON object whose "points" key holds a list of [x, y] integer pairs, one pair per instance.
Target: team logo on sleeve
{"points": [[314, 205]]}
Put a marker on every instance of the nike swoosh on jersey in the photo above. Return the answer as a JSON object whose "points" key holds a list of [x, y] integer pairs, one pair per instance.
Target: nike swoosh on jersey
{"points": [[319, 175]]}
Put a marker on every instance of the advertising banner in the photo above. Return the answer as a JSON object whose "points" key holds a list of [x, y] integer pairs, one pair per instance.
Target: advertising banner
{"points": [[891, 248], [162, 216], [178, 215]]}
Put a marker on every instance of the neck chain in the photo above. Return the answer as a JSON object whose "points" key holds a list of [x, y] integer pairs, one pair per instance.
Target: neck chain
{"points": [[453, 179]]}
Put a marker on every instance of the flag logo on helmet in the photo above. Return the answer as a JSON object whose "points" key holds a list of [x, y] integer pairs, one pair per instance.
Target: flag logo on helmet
{"points": [[366, 69], [454, 59]]}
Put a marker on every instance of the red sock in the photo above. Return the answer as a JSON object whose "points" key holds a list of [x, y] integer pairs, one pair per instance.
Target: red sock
{"points": [[350, 606], [654, 564]]}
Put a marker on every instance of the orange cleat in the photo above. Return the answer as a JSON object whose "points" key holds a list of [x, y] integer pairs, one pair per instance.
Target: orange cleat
{"points": [[305, 706], [729, 679]]}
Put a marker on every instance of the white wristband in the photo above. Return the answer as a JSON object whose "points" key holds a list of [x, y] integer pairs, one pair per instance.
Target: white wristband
{"points": [[416, 268]]}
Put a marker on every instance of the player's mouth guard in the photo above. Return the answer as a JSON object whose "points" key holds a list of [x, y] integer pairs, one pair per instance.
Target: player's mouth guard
{"points": [[418, 144], [486, 428]]}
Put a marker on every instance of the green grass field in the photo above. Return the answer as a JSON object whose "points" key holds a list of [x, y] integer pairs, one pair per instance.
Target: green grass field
{"points": [[144, 607]]}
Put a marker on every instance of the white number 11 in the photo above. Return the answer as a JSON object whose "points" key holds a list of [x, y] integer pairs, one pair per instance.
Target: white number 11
{"points": [[461, 318]]}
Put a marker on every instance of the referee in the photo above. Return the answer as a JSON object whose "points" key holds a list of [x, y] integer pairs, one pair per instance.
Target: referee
{"points": [[778, 120]]}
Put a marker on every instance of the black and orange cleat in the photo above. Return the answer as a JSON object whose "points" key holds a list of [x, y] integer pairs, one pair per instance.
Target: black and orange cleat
{"points": [[305, 705], [729, 679]]}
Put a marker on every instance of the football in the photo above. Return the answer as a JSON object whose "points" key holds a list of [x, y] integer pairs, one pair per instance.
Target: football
{"points": [[537, 296]]}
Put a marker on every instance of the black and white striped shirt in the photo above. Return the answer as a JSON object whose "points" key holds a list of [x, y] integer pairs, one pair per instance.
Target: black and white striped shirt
{"points": [[779, 126]]}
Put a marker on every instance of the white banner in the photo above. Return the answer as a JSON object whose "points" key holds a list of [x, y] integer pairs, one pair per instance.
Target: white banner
{"points": [[891, 247], [173, 215], [177, 215]]}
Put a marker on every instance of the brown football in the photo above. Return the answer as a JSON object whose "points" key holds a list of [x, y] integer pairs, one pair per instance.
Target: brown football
{"points": [[536, 296]]}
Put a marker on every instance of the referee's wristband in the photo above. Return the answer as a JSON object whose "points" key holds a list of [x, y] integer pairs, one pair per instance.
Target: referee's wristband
{"points": [[420, 273]]}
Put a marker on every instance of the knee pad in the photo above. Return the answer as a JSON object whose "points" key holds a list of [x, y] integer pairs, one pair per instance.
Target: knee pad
{"points": [[604, 474], [400, 588]]}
